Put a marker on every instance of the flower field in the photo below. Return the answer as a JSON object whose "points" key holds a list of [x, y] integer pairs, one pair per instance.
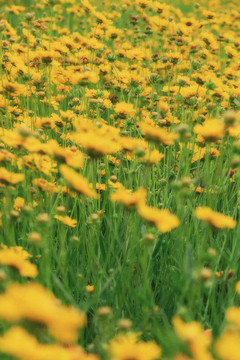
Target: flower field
{"points": [[119, 180]]}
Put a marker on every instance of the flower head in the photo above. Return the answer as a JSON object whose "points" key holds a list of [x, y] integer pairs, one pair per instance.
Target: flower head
{"points": [[216, 219]]}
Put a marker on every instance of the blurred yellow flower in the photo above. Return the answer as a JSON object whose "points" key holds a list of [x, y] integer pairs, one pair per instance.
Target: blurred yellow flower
{"points": [[17, 257], [128, 346], [66, 220], [77, 181], [33, 302], [216, 219]]}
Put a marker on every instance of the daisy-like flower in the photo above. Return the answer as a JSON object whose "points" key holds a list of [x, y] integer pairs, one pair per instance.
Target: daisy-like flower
{"points": [[227, 345], [194, 335], [77, 181], [129, 198], [211, 130], [33, 302], [162, 219], [124, 109], [9, 177], [17, 258], [27, 347], [66, 220], [127, 346], [216, 219], [157, 134]]}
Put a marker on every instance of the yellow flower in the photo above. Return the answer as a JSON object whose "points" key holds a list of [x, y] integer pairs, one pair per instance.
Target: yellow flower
{"points": [[124, 109], [26, 347], [44, 185], [15, 9], [129, 198], [71, 156], [129, 143], [85, 78], [96, 143], [233, 315], [216, 219], [162, 219], [158, 134], [12, 89], [17, 258], [152, 157], [191, 91], [18, 203], [77, 181], [100, 187], [66, 220], [193, 334], [9, 177], [90, 288], [231, 52], [211, 130], [127, 346], [33, 302], [227, 345]]}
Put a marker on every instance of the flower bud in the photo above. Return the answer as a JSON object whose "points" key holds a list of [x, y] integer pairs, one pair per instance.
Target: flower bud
{"points": [[35, 237], [104, 311], [205, 273], [43, 218], [125, 324]]}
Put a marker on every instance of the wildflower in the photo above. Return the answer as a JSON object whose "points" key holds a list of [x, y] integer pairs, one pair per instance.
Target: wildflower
{"points": [[216, 219], [17, 257], [157, 134], [124, 109], [27, 347], [193, 334], [191, 91], [18, 203], [231, 52], [9, 177], [66, 220], [129, 198], [97, 143], [162, 219], [128, 347], [77, 181], [227, 345], [71, 156], [130, 144], [152, 157], [211, 130], [15, 9], [90, 288], [84, 78], [233, 315], [32, 301]]}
